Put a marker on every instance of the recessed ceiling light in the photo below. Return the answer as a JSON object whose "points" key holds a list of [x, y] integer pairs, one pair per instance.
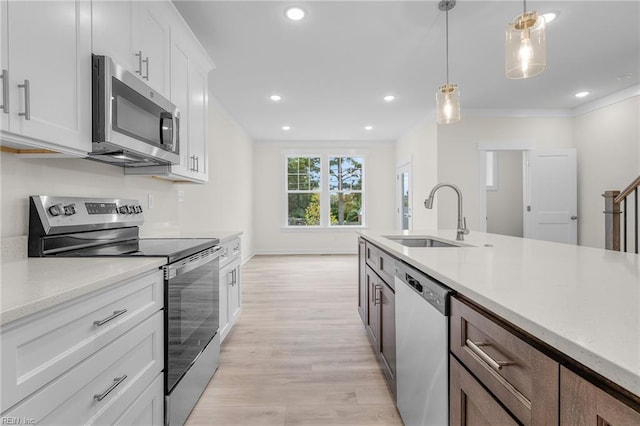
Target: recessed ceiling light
{"points": [[294, 13], [368, 128], [550, 16], [286, 128], [275, 98], [581, 94], [389, 98]]}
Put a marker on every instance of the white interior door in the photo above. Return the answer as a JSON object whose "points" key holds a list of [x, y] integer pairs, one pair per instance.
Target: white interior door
{"points": [[550, 212], [403, 197]]}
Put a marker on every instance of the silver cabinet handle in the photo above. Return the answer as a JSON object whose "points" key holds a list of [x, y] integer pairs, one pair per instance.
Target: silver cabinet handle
{"points": [[115, 315], [475, 348], [193, 163], [27, 100], [5, 91], [574, 217], [377, 289], [139, 56], [116, 382], [197, 163], [230, 278], [146, 62]]}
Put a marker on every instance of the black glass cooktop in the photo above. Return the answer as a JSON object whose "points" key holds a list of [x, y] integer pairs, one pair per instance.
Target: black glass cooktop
{"points": [[171, 248]]}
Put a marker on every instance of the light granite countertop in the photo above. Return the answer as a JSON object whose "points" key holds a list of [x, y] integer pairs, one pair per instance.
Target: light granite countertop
{"points": [[585, 302]]}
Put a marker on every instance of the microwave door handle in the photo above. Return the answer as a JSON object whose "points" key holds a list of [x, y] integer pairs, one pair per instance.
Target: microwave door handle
{"points": [[166, 128]]}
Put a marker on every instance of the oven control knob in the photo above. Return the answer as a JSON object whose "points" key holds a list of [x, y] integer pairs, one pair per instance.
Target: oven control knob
{"points": [[130, 210], [56, 210], [123, 210], [70, 210], [138, 209]]}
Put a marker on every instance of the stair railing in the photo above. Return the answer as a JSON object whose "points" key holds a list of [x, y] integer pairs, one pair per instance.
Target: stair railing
{"points": [[617, 204]]}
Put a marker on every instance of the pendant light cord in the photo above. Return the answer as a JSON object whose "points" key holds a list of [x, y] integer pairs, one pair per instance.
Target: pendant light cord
{"points": [[447, 42], [525, 7]]}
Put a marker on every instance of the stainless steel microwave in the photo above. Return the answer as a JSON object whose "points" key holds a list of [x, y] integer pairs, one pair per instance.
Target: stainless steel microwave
{"points": [[133, 125]]}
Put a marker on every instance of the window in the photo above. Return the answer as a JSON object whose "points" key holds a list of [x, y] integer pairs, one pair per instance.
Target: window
{"points": [[325, 191], [491, 177], [303, 191]]}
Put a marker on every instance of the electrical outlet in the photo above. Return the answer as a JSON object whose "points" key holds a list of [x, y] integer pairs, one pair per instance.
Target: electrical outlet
{"points": [[150, 201]]}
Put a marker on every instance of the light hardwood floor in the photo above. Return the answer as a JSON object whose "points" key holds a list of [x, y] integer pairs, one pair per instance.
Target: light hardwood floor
{"points": [[299, 354]]}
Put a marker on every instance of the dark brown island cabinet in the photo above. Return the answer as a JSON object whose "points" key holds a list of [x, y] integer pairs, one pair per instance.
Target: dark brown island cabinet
{"points": [[498, 373], [376, 305]]}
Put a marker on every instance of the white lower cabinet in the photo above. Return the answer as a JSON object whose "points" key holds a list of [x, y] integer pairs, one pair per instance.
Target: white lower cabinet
{"points": [[230, 286], [85, 364]]}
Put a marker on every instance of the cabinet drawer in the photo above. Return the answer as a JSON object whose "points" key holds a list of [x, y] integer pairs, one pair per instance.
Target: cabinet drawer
{"points": [[371, 254], [148, 409], [471, 404], [39, 348], [382, 263], [118, 373], [230, 251], [524, 379]]}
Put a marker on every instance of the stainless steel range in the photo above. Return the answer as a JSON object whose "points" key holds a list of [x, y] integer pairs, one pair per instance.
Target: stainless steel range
{"points": [[89, 227]]}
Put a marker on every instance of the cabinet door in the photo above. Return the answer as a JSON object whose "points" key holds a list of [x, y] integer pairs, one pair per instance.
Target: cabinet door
{"points": [[235, 292], [470, 403], [224, 301], [373, 314], [112, 32], [50, 58], [362, 282], [153, 38], [583, 404], [4, 69], [180, 97], [388, 333], [198, 103]]}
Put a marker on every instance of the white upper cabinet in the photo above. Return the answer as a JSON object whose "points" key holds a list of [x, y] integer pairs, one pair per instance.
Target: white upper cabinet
{"points": [[189, 70], [46, 69], [136, 35]]}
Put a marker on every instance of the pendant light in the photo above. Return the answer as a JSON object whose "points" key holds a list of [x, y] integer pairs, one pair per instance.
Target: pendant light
{"points": [[448, 95], [525, 45]]}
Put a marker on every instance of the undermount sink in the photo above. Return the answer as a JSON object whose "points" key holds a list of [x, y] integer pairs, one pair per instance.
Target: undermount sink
{"points": [[411, 241]]}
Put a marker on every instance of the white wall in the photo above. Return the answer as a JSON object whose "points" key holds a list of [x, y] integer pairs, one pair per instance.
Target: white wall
{"points": [[504, 205], [420, 147], [608, 146], [269, 203], [225, 203], [222, 204], [458, 156]]}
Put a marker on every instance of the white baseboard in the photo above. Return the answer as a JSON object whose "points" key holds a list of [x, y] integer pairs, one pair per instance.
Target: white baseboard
{"points": [[305, 251]]}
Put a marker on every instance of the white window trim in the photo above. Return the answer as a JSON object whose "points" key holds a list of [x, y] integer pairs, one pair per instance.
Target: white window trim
{"points": [[325, 194]]}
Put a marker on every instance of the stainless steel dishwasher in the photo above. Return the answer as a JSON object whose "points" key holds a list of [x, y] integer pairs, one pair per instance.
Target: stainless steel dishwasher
{"points": [[422, 336]]}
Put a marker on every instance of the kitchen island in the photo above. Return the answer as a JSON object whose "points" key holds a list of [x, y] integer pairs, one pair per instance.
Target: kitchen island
{"points": [[582, 303]]}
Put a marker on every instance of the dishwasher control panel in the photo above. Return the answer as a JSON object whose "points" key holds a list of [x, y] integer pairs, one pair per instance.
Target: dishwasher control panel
{"points": [[434, 292]]}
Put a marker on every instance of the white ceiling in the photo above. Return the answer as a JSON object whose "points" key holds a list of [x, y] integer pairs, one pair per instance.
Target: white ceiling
{"points": [[333, 68]]}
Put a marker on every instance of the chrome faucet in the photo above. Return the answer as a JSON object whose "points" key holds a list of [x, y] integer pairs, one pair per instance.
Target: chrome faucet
{"points": [[462, 221]]}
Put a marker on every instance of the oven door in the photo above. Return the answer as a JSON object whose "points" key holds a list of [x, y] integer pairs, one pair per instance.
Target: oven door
{"points": [[192, 311]]}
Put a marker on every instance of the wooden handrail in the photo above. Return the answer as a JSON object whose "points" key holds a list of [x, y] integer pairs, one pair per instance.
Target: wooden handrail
{"points": [[628, 190]]}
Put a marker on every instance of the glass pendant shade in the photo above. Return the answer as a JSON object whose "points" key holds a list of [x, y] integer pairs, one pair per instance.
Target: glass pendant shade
{"points": [[448, 103], [525, 46]]}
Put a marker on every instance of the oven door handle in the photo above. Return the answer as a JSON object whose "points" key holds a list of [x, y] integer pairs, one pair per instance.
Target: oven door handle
{"points": [[191, 263]]}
